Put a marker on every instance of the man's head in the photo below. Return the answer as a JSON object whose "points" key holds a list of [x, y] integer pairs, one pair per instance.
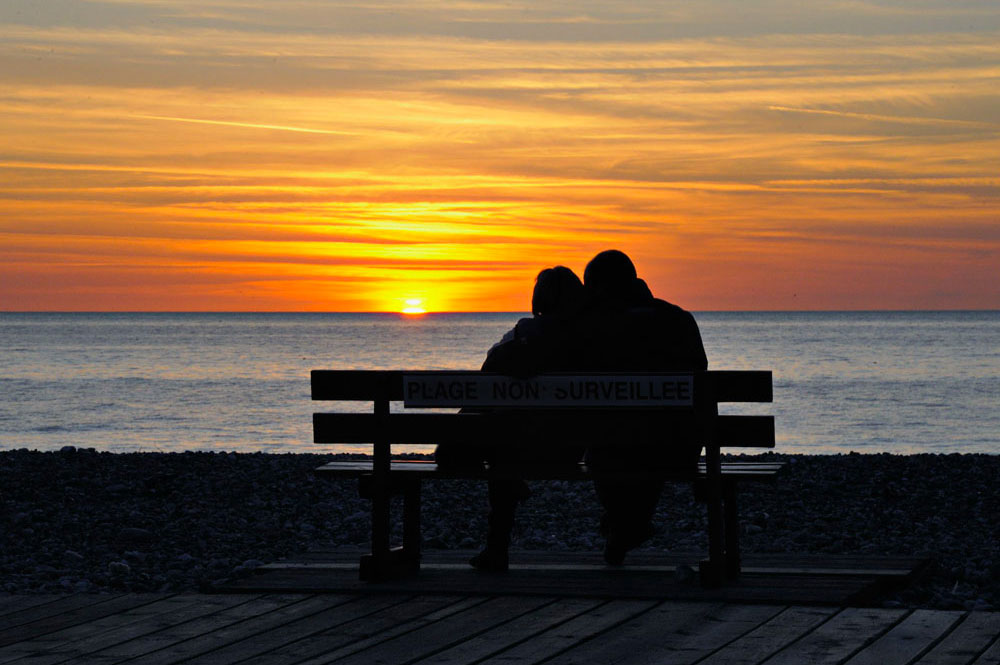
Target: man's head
{"points": [[610, 274]]}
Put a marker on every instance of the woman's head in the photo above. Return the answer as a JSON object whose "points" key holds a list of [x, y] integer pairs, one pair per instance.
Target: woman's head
{"points": [[557, 291]]}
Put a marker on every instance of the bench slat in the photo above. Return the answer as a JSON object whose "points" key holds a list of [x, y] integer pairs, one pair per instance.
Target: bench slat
{"points": [[568, 428], [368, 385], [749, 471], [741, 386], [364, 385]]}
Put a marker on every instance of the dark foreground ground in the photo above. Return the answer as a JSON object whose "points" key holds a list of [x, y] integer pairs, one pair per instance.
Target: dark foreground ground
{"points": [[86, 521]]}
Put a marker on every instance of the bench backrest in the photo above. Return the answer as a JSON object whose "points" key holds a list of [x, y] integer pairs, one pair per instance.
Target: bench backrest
{"points": [[580, 408]]}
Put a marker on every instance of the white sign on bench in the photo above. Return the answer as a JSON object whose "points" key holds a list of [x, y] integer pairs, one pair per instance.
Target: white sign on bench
{"points": [[600, 390]]}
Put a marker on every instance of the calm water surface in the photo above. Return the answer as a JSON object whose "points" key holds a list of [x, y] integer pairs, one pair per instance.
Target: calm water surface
{"points": [[902, 382]]}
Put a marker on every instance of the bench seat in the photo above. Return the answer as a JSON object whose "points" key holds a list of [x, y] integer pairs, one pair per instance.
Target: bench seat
{"points": [[731, 471]]}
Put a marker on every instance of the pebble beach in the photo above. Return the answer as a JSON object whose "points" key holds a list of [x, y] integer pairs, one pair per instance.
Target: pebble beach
{"points": [[78, 520]]}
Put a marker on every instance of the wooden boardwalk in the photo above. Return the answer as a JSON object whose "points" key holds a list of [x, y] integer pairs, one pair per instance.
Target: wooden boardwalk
{"points": [[777, 579], [429, 628]]}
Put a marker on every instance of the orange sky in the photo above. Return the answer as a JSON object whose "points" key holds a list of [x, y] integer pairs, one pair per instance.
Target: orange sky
{"points": [[318, 155]]}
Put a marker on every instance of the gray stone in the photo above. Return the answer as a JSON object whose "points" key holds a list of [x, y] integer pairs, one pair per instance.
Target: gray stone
{"points": [[118, 569], [135, 534]]}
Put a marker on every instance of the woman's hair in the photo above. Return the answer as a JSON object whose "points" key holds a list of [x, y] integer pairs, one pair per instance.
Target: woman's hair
{"points": [[557, 291]]}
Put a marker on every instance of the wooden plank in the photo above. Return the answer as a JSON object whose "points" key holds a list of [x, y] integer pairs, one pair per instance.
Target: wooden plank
{"points": [[193, 637], [507, 635], [839, 638], [398, 614], [991, 656], [523, 429], [15, 604], [571, 633], [427, 469], [847, 572], [744, 431], [741, 386], [969, 639], [776, 578], [633, 635], [365, 385], [264, 642], [673, 632], [727, 624], [907, 639], [333, 645], [441, 635], [72, 617], [862, 563], [592, 582], [160, 604], [572, 428], [770, 637], [485, 390], [34, 612], [802, 590], [600, 567], [666, 622], [763, 559], [72, 644]]}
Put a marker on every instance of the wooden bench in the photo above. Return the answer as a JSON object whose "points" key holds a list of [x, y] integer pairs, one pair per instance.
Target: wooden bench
{"points": [[579, 409]]}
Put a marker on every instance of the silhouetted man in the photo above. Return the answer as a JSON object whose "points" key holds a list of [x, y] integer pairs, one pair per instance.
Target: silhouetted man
{"points": [[626, 329]]}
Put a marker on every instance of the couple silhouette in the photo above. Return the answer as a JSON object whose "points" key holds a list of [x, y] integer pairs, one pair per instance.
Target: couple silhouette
{"points": [[609, 322]]}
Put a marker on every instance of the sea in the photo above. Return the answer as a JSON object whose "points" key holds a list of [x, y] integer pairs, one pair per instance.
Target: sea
{"points": [[868, 382]]}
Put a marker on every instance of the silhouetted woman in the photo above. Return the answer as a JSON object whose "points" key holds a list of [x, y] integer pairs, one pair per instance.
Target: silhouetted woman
{"points": [[543, 343]]}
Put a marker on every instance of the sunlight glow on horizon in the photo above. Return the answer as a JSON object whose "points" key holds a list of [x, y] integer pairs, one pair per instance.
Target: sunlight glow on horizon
{"points": [[264, 156], [413, 306]]}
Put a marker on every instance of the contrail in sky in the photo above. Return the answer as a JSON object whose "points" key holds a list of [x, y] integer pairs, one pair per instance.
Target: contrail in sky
{"points": [[888, 118], [227, 123]]}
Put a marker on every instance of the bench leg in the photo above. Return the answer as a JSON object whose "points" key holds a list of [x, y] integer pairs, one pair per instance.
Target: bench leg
{"points": [[385, 561], [376, 566], [411, 521], [713, 570], [732, 517]]}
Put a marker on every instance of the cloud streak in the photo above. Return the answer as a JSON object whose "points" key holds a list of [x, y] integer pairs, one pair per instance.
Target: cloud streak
{"points": [[891, 118], [248, 125]]}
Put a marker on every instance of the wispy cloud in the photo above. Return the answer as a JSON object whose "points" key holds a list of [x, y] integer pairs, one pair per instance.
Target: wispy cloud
{"points": [[892, 118], [248, 125]]}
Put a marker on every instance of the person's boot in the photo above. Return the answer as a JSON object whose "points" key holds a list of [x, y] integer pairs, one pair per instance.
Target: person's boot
{"points": [[490, 561], [619, 543], [494, 558], [504, 497]]}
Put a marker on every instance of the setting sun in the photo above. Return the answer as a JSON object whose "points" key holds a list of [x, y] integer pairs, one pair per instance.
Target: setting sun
{"points": [[414, 306]]}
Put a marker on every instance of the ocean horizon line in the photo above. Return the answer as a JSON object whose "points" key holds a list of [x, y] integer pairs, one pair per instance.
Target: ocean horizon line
{"points": [[513, 312]]}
